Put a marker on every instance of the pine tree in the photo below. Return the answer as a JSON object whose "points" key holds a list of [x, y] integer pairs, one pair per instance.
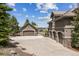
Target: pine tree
{"points": [[34, 24], [14, 25], [26, 22], [4, 24]]}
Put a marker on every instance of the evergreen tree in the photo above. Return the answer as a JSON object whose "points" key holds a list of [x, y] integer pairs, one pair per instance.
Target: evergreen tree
{"points": [[75, 33], [26, 22], [4, 23], [34, 24], [14, 25]]}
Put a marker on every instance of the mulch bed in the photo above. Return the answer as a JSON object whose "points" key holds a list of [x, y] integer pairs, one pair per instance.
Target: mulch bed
{"points": [[75, 49]]}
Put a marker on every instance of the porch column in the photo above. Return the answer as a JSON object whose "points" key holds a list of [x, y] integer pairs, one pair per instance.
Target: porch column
{"points": [[50, 33], [53, 24]]}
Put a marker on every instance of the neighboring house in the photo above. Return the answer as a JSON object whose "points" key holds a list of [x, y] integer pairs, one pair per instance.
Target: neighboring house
{"points": [[28, 30], [41, 30], [60, 28]]}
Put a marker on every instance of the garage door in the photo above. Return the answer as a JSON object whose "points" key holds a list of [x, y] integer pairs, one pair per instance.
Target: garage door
{"points": [[28, 33]]}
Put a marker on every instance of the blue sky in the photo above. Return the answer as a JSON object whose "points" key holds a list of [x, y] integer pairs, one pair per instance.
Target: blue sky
{"points": [[37, 12]]}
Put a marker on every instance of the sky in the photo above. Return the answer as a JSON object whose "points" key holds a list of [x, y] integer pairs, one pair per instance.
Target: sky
{"points": [[37, 12]]}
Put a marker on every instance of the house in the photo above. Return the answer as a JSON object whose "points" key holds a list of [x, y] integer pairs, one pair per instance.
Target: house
{"points": [[42, 31], [28, 30], [60, 27]]}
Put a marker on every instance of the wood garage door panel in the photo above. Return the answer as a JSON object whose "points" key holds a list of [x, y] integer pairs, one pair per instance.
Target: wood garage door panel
{"points": [[28, 33]]}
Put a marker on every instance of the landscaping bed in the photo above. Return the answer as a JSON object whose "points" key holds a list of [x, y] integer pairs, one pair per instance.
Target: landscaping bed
{"points": [[12, 50], [7, 52]]}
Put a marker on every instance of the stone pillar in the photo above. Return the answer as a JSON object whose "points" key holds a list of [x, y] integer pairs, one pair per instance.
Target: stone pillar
{"points": [[50, 33], [67, 35], [53, 24], [51, 29], [57, 38]]}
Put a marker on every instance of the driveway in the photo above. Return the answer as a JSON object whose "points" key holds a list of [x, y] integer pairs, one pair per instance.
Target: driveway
{"points": [[42, 46]]}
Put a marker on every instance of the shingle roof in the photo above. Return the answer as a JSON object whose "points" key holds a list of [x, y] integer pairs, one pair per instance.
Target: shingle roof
{"points": [[59, 13], [27, 25], [62, 14]]}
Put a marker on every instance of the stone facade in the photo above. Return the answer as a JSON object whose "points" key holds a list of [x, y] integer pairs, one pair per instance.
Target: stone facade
{"points": [[60, 29]]}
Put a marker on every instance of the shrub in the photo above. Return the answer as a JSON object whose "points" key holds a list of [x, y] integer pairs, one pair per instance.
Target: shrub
{"points": [[4, 42]]}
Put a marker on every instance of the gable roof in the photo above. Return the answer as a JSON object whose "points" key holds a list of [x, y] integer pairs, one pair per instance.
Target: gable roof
{"points": [[62, 14], [29, 25], [75, 10]]}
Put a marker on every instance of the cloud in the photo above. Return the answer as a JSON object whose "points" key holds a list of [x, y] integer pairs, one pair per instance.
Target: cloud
{"points": [[14, 9], [17, 14], [42, 11], [49, 14], [24, 9], [51, 6], [11, 4], [39, 5], [26, 16], [75, 5], [44, 7], [44, 18], [33, 16], [30, 3], [70, 6]]}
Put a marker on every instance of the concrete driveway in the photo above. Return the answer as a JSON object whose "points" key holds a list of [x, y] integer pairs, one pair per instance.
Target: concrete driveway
{"points": [[42, 46]]}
